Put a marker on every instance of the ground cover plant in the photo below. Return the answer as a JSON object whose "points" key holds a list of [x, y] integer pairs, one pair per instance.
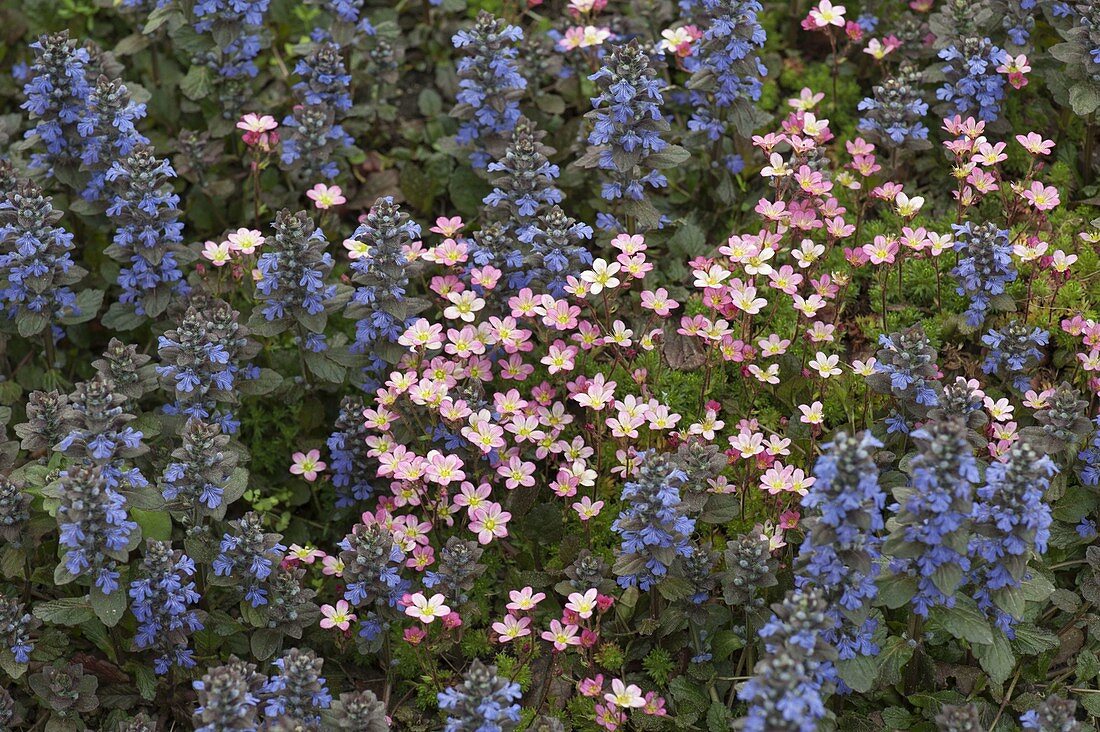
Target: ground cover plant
{"points": [[540, 365]]}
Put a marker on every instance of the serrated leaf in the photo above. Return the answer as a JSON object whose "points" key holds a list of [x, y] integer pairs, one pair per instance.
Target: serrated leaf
{"points": [[996, 658], [964, 621], [198, 83], [893, 656], [66, 611]]}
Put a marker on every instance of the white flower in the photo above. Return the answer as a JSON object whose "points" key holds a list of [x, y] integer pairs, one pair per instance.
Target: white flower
{"points": [[583, 605], [828, 14], [907, 206], [628, 697], [602, 275], [777, 169], [426, 610], [826, 366]]}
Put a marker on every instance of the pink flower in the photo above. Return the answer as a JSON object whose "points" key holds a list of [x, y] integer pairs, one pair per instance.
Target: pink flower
{"points": [[525, 599], [218, 254], [332, 566], [591, 687], [490, 522], [1041, 196], [1034, 143], [426, 610], [325, 197], [452, 620], [337, 617], [304, 554], [623, 695], [245, 241], [258, 130], [562, 636], [415, 634], [256, 123], [583, 604], [447, 226], [511, 628], [308, 465], [826, 14]]}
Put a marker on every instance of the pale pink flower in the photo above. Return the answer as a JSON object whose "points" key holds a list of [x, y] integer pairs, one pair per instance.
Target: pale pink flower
{"points": [[325, 197], [339, 616], [307, 465]]}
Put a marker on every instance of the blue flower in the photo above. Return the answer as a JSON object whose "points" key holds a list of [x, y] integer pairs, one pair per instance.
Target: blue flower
{"points": [[489, 84], [984, 268], [839, 553], [654, 527], [1011, 520], [932, 521], [164, 596]]}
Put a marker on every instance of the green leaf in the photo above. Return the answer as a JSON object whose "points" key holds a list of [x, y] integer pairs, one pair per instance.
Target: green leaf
{"points": [[108, 608], [144, 680], [859, 673], [895, 591], [267, 382], [154, 524], [30, 324], [121, 317], [1088, 667], [324, 368], [9, 665], [66, 611], [88, 302], [719, 717], [895, 654], [964, 621], [996, 658], [198, 83], [725, 643], [1032, 641], [265, 643], [1084, 98], [429, 102]]}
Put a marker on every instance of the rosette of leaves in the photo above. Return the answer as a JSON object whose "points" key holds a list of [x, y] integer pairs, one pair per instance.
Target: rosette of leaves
{"points": [[523, 180], [1078, 80], [380, 306], [132, 373], [702, 462], [1063, 423], [955, 19], [359, 711], [905, 368], [289, 610], [748, 569], [49, 418], [295, 291], [68, 693], [202, 478], [894, 115], [15, 504], [964, 400], [457, 569], [587, 570], [229, 697]]}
